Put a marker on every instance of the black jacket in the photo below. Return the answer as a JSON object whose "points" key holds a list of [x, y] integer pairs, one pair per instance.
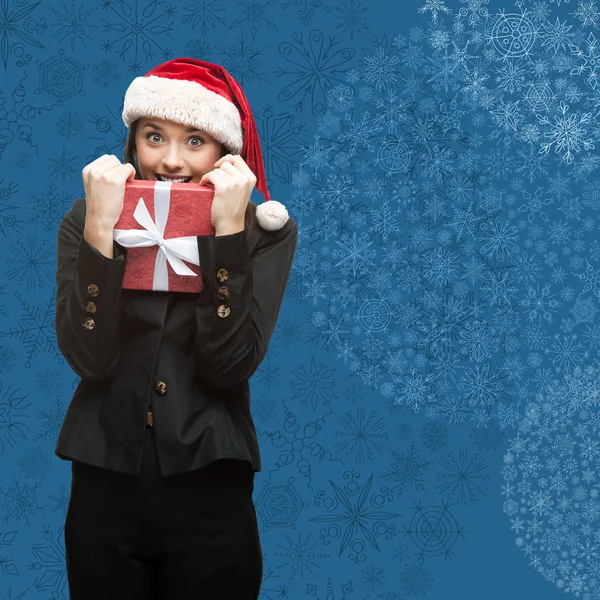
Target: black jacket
{"points": [[173, 352]]}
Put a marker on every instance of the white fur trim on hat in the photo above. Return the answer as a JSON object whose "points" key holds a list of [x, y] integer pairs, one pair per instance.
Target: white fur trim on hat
{"points": [[271, 215], [185, 102]]}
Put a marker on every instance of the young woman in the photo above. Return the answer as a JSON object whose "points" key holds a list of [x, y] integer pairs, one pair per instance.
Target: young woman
{"points": [[159, 430]]}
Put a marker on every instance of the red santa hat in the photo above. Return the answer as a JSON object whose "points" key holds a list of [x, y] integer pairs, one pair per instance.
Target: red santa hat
{"points": [[203, 95]]}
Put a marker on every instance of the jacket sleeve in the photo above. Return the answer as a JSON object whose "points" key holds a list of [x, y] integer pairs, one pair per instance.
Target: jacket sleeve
{"points": [[239, 304], [87, 299]]}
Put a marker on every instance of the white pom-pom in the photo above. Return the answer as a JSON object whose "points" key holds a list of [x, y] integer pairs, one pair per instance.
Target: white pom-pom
{"points": [[271, 215]]}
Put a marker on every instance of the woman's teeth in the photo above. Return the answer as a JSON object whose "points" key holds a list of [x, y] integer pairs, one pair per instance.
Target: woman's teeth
{"points": [[178, 180]]}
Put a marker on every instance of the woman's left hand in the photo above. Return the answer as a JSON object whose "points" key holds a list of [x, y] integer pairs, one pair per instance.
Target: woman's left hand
{"points": [[233, 181]]}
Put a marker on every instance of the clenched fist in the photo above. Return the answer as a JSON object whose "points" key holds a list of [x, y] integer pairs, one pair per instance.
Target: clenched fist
{"points": [[233, 181], [104, 182]]}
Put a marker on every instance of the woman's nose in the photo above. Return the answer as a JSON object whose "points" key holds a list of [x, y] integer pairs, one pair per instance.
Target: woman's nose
{"points": [[172, 157]]}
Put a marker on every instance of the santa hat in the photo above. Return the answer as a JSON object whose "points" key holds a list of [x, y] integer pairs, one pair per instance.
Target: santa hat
{"points": [[203, 95]]}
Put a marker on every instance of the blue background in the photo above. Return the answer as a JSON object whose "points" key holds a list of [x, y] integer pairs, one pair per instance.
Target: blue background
{"points": [[427, 410]]}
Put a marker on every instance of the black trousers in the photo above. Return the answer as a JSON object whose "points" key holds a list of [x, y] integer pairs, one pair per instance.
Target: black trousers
{"points": [[188, 536]]}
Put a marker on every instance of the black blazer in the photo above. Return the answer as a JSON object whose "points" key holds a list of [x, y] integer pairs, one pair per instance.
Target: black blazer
{"points": [[173, 352]]}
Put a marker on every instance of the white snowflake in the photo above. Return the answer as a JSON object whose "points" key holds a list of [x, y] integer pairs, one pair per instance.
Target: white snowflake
{"points": [[588, 13], [589, 61], [380, 68], [568, 132], [435, 7]]}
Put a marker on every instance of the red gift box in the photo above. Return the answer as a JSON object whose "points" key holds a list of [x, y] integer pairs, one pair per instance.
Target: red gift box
{"points": [[158, 226]]}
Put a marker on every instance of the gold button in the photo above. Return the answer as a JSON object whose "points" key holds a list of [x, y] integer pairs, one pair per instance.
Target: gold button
{"points": [[223, 293], [93, 290], [222, 275], [90, 307], [161, 388], [223, 311], [88, 323]]}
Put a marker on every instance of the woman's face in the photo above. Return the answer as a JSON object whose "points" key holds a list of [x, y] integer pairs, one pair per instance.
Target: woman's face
{"points": [[167, 150]]}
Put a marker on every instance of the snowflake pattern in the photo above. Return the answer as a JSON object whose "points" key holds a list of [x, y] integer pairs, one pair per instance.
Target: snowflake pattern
{"points": [[440, 317]]}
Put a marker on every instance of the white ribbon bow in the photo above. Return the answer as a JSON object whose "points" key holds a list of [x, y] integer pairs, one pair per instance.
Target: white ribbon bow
{"points": [[173, 250]]}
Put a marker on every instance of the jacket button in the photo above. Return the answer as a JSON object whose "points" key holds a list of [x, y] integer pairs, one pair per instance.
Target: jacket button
{"points": [[223, 293], [88, 323], [161, 388], [90, 307], [93, 290], [222, 275], [223, 311]]}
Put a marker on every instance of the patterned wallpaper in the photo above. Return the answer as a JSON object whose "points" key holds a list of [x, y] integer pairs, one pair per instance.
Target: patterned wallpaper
{"points": [[429, 409]]}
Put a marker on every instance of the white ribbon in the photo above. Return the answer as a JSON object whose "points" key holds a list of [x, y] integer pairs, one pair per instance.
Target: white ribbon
{"points": [[173, 250]]}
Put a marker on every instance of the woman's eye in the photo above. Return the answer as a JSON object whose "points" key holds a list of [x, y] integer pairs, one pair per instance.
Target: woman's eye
{"points": [[152, 137]]}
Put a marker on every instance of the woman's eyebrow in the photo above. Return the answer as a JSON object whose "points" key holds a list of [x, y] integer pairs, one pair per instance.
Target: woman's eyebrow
{"points": [[188, 130]]}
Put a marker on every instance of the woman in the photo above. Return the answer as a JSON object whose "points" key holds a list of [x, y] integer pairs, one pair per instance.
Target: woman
{"points": [[159, 431]]}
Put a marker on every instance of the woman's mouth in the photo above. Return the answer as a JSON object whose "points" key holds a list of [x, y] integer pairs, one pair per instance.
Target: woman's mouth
{"points": [[172, 179]]}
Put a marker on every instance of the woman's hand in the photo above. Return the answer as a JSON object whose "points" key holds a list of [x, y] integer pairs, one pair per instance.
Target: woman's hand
{"points": [[104, 182], [233, 181]]}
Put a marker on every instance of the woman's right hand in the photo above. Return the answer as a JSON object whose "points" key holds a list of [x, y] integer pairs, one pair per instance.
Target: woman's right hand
{"points": [[104, 182]]}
